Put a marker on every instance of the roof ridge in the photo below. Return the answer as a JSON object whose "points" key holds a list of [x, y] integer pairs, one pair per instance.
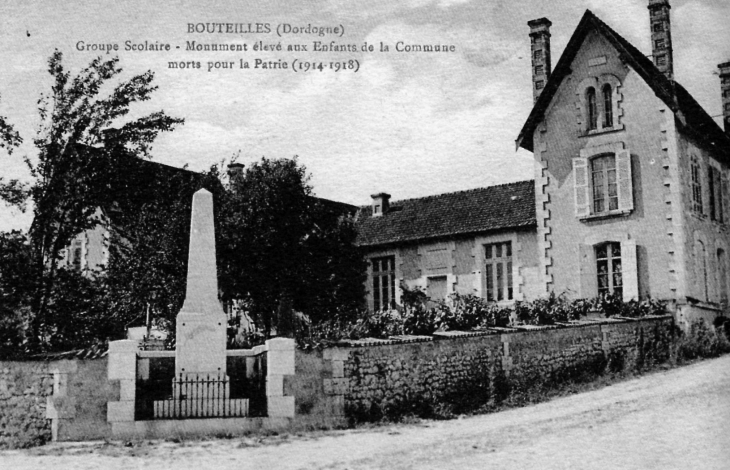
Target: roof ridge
{"points": [[463, 191]]}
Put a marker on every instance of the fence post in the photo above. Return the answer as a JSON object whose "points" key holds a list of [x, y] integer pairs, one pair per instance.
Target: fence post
{"points": [[122, 366], [280, 362]]}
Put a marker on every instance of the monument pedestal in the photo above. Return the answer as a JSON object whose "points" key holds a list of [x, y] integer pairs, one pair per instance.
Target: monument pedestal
{"points": [[201, 345]]}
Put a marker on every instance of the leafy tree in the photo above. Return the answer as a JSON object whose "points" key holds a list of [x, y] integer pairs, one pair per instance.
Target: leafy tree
{"points": [[12, 191], [81, 144], [149, 246], [280, 246]]}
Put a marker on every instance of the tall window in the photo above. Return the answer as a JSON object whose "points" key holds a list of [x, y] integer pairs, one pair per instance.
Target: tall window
{"points": [[498, 271], [592, 109], [383, 283], [607, 106], [696, 186], [608, 267], [605, 189]]}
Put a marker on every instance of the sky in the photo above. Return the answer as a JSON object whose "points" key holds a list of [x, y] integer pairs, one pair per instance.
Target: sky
{"points": [[409, 124]]}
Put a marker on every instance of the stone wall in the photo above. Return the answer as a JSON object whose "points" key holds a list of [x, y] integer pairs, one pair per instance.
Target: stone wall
{"points": [[53, 400], [24, 388], [461, 370], [78, 407]]}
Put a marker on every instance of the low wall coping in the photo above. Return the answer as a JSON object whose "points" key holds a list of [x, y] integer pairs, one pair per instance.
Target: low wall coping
{"points": [[244, 352], [153, 354], [463, 334]]}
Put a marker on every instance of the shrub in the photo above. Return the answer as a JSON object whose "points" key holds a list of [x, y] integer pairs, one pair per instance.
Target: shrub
{"points": [[700, 341], [613, 305], [552, 309]]}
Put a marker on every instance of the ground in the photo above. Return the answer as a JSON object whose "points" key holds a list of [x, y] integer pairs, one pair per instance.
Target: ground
{"points": [[672, 419]]}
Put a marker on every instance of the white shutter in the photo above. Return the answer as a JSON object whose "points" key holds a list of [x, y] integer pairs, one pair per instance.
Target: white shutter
{"points": [[629, 270], [588, 277], [625, 183], [580, 177]]}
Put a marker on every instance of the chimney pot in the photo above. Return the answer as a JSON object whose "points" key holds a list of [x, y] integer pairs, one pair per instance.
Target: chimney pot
{"points": [[661, 37], [540, 54], [381, 204], [235, 170]]}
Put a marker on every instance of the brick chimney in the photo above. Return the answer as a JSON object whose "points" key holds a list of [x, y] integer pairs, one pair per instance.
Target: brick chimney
{"points": [[725, 90], [661, 37], [235, 171], [381, 204], [540, 52]]}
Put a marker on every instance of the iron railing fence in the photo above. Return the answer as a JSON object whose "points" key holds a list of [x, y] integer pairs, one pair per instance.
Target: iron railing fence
{"points": [[239, 393]]}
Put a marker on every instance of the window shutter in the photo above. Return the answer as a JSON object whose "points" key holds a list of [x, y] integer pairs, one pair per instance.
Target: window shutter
{"points": [[588, 278], [629, 270], [580, 174], [725, 197], [625, 183]]}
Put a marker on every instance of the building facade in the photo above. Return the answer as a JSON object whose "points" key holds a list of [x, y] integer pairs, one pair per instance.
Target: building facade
{"points": [[480, 242], [631, 175], [630, 189]]}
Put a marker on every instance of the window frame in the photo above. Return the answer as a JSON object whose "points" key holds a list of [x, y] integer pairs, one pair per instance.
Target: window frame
{"points": [[499, 279], [605, 184], [584, 186], [376, 282], [611, 261], [605, 115]]}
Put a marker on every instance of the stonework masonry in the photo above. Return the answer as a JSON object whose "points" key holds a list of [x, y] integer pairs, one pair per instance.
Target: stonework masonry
{"points": [[387, 379]]}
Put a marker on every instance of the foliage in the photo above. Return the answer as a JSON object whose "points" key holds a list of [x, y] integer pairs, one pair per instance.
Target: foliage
{"points": [[149, 244], [83, 140], [279, 244], [701, 340], [613, 305], [78, 155], [551, 309]]}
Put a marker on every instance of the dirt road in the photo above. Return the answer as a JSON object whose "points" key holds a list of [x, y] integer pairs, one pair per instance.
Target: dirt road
{"points": [[676, 419]]}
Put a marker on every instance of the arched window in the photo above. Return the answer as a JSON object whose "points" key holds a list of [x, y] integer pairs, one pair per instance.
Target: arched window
{"points": [[592, 109], [607, 106]]}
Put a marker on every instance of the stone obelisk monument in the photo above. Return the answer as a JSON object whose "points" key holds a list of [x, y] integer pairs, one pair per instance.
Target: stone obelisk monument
{"points": [[201, 324]]}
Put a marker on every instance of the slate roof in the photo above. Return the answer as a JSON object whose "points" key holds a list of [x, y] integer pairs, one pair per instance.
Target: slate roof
{"points": [[690, 115], [501, 207]]}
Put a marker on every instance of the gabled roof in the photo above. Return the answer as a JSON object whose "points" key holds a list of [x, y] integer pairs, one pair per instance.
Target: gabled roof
{"points": [[501, 207], [688, 112]]}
